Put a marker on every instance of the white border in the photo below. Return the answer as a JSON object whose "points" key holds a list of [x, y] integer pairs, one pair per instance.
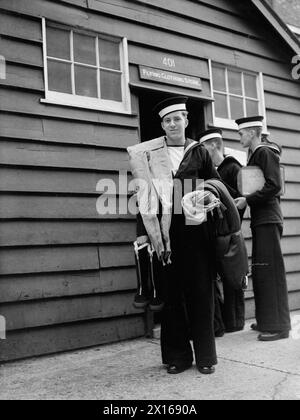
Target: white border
{"points": [[77, 101]]}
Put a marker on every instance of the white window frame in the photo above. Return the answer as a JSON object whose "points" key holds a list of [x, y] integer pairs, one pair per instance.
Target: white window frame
{"points": [[228, 123], [78, 101]]}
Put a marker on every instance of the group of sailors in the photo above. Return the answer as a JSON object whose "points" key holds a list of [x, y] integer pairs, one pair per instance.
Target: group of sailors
{"points": [[196, 305]]}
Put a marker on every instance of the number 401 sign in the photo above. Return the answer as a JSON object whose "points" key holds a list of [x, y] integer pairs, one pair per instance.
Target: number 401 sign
{"points": [[169, 62]]}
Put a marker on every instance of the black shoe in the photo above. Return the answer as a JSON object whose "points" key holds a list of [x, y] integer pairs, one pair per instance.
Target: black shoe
{"points": [[219, 334], [140, 301], [234, 330], [273, 336], [207, 370], [175, 370]]}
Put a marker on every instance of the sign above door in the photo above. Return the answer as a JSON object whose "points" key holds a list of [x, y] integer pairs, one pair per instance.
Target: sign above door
{"points": [[170, 78]]}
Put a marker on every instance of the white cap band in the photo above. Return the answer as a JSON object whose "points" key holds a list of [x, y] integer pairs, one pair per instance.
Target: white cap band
{"points": [[172, 108], [251, 124], [210, 136]]}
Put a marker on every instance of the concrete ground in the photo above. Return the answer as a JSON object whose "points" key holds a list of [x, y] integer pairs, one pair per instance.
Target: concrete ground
{"points": [[247, 370]]}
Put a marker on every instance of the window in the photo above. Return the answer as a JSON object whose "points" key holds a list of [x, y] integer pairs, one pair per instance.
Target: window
{"points": [[85, 69], [237, 94]]}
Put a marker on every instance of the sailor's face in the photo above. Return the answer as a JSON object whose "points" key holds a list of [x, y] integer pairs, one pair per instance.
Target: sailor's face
{"points": [[174, 125], [246, 137]]}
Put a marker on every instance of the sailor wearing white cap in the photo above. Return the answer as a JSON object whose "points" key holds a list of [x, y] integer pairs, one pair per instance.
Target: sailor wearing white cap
{"points": [[189, 306], [230, 314], [269, 278]]}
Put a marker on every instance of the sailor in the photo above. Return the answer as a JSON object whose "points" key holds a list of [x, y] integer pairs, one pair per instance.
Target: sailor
{"points": [[269, 276], [189, 279], [230, 312]]}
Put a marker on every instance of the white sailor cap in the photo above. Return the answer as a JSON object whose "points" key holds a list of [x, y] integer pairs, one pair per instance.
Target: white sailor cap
{"points": [[174, 104], [250, 122], [215, 133]]}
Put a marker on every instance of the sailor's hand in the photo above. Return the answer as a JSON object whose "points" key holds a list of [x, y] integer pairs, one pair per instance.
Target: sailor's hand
{"points": [[141, 240], [241, 203]]}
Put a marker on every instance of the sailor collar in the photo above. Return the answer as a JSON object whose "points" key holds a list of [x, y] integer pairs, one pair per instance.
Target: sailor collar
{"points": [[260, 146]]}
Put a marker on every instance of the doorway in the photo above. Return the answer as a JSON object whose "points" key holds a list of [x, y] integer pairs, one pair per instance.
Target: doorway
{"points": [[150, 127]]}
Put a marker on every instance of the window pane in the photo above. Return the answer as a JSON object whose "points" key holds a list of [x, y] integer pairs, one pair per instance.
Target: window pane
{"points": [[221, 106], [109, 54], [219, 79], [111, 87], [59, 77], [86, 81], [252, 108], [84, 49], [235, 82], [250, 85], [236, 105], [58, 43]]}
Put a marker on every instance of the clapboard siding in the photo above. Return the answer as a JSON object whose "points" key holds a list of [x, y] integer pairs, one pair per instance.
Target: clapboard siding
{"points": [[17, 288], [62, 207], [17, 233], [20, 27], [15, 179], [282, 103], [55, 259], [282, 87], [67, 272], [59, 156], [71, 258], [37, 341], [23, 77], [18, 51], [61, 311], [15, 126]]}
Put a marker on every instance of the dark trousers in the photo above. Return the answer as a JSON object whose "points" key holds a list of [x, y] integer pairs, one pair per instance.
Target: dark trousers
{"points": [[229, 309], [189, 298], [233, 308], [269, 279]]}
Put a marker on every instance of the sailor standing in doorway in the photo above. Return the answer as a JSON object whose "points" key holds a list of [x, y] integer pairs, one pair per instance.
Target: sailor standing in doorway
{"points": [[229, 315], [189, 298], [269, 276]]}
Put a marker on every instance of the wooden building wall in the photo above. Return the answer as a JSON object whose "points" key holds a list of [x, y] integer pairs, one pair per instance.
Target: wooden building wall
{"points": [[66, 275]]}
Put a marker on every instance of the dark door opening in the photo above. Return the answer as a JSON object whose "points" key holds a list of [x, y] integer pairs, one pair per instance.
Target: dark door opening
{"points": [[150, 127]]}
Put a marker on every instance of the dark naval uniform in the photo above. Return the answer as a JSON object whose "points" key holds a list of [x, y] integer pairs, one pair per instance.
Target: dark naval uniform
{"points": [[230, 313], [233, 309], [269, 277], [189, 280]]}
